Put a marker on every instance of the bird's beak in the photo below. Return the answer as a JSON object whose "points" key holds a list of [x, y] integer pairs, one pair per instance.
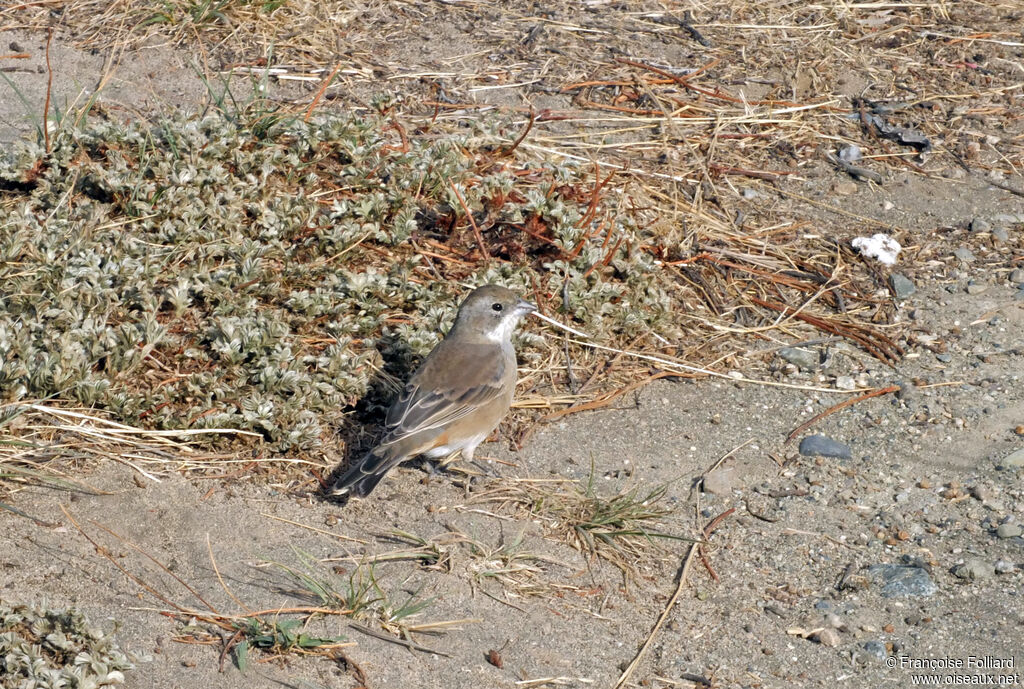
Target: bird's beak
{"points": [[524, 307]]}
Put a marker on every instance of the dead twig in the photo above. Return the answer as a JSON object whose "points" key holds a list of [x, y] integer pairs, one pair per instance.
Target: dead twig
{"points": [[320, 93], [472, 222], [515, 144], [836, 407], [412, 646], [683, 572]]}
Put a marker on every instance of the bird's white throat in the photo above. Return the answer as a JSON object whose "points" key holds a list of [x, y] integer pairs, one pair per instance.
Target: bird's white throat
{"points": [[502, 332]]}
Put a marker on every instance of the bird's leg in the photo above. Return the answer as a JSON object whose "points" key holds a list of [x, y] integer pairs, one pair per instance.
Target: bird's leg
{"points": [[485, 467], [449, 465], [446, 465]]}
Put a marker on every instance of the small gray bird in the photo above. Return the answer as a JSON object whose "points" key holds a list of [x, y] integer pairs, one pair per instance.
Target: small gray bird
{"points": [[457, 397]]}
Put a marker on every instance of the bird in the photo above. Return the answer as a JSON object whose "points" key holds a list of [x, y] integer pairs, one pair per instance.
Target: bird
{"points": [[456, 398]]}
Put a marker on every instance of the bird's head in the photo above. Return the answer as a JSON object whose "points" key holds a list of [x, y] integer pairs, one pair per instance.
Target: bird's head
{"points": [[490, 313]]}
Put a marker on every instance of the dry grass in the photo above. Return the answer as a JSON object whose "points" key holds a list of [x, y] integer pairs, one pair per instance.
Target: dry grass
{"points": [[709, 128], [43, 444], [772, 89], [615, 527], [688, 105]]}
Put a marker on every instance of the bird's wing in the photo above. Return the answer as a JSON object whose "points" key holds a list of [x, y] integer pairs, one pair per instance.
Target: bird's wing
{"points": [[452, 382]]}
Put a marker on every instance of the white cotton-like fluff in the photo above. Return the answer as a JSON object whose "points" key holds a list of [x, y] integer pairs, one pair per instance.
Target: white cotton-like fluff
{"points": [[879, 246]]}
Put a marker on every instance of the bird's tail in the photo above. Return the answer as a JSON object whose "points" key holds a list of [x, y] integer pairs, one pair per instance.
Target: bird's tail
{"points": [[362, 477]]}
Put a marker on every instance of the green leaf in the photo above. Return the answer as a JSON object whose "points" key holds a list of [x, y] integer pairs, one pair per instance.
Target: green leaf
{"points": [[242, 655]]}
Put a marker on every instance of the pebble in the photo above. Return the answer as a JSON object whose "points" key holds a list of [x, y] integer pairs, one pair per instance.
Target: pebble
{"points": [[902, 286], [1017, 276], [806, 359], [907, 390], [846, 383], [1000, 234], [1009, 530], [1016, 459], [827, 637], [945, 357], [1004, 567], [720, 481], [964, 254], [851, 154], [974, 569], [982, 493], [876, 650], [1008, 219], [845, 188], [979, 225], [900, 581], [976, 289], [823, 446]]}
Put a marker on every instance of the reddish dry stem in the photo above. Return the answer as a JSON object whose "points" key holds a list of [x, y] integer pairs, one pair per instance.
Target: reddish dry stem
{"points": [[836, 407], [320, 93], [519, 140]]}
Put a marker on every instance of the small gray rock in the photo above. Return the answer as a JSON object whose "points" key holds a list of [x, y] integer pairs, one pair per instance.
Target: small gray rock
{"points": [[807, 359], [902, 286], [945, 357], [981, 493], [976, 289], [876, 650], [1009, 530], [850, 154], [1004, 567], [720, 481], [823, 446], [979, 225], [974, 569], [1014, 460], [1008, 219], [1017, 276], [964, 254], [907, 390], [901, 581], [827, 637], [846, 383], [1000, 234]]}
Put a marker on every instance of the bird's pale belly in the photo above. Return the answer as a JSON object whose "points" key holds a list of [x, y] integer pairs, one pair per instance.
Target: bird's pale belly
{"points": [[468, 432], [448, 449]]}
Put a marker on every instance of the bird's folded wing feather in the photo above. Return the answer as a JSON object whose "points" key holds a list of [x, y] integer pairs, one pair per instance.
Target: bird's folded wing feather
{"points": [[472, 375]]}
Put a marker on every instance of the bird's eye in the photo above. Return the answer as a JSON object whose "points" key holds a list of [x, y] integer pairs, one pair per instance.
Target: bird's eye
{"points": [[496, 307]]}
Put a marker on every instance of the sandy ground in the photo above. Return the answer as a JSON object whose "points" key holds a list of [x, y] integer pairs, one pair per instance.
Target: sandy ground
{"points": [[791, 602]]}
